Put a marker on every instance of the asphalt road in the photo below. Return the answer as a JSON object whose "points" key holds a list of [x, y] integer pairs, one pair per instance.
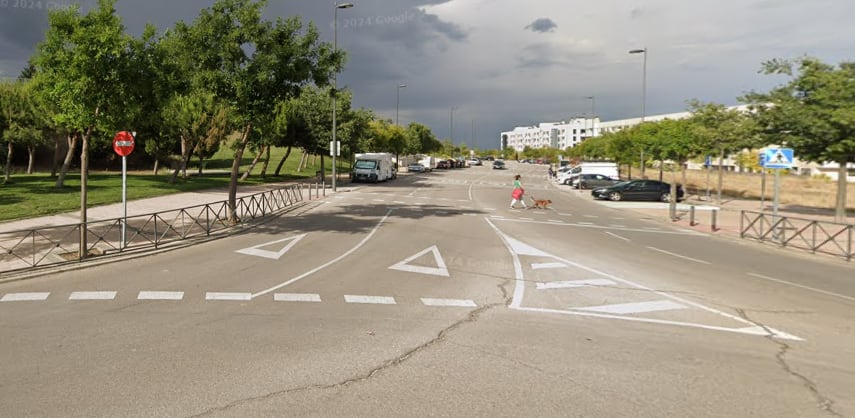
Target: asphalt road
{"points": [[427, 296]]}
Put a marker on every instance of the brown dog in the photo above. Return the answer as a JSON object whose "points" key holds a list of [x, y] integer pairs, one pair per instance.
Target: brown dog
{"points": [[541, 203]]}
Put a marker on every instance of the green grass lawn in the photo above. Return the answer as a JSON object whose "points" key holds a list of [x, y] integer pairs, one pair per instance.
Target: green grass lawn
{"points": [[32, 195]]}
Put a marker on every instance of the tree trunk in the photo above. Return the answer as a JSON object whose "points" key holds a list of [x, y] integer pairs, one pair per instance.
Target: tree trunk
{"points": [[266, 162], [69, 155], [201, 164], [303, 160], [31, 163], [57, 154], [156, 167], [254, 162], [282, 161], [842, 184], [84, 174], [233, 183], [720, 176], [9, 149]]}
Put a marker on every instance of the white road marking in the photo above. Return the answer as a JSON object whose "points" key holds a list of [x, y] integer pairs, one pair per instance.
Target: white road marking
{"points": [[749, 331], [463, 303], [377, 300], [557, 221], [538, 266], [638, 307], [517, 248], [228, 296], [329, 263], [25, 297], [617, 226], [378, 200], [149, 295], [812, 289], [399, 202], [584, 223], [297, 297], [575, 283], [92, 296], [617, 236], [527, 219], [439, 270], [679, 256], [591, 216], [564, 214], [273, 255]]}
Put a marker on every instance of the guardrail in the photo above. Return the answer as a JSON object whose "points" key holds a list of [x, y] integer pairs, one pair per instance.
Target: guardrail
{"points": [[813, 235], [50, 246]]}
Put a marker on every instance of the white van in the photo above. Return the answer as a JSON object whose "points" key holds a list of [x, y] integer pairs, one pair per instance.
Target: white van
{"points": [[606, 168], [373, 167]]}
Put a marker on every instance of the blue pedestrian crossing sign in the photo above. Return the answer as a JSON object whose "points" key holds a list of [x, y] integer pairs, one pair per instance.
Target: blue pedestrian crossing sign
{"points": [[777, 158]]}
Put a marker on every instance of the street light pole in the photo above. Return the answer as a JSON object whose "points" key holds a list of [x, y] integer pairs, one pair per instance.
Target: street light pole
{"points": [[593, 113], [398, 100], [451, 127], [643, 94], [334, 144]]}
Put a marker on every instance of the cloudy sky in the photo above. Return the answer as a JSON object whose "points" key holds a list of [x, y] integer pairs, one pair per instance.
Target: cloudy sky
{"points": [[506, 63]]}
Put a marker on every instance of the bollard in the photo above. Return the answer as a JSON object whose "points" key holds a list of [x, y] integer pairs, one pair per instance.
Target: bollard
{"points": [[713, 221], [692, 216]]}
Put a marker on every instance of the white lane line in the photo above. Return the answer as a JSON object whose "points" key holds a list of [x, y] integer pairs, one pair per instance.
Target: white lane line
{"points": [[592, 216], [679, 256], [638, 307], [812, 289], [25, 297], [377, 300], [150, 295], [556, 221], [398, 202], [461, 303], [297, 297], [526, 219], [617, 236], [575, 283], [538, 266], [329, 263], [584, 223], [617, 226], [564, 214], [378, 200], [228, 296], [92, 296]]}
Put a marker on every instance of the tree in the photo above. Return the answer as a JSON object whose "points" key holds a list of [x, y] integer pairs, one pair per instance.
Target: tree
{"points": [[814, 112], [83, 68], [22, 122], [201, 123], [253, 64], [422, 139]]}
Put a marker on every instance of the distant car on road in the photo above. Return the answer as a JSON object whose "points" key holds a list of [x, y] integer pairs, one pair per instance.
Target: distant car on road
{"points": [[416, 168], [498, 165], [442, 164], [473, 162], [637, 190]]}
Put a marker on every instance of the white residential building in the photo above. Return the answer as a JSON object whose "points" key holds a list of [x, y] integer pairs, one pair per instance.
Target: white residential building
{"points": [[558, 135]]}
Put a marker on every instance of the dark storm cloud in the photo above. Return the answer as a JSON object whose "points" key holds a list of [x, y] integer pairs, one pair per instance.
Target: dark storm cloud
{"points": [[542, 25]]}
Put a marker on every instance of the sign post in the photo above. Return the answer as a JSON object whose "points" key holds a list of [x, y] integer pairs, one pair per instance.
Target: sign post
{"points": [[123, 144], [777, 158]]}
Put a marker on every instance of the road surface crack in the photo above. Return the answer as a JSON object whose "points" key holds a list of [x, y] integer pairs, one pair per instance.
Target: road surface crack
{"points": [[440, 337], [825, 403]]}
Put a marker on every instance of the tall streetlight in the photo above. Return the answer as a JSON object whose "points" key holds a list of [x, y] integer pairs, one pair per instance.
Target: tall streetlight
{"points": [[593, 113], [398, 101], [334, 145], [643, 94]]}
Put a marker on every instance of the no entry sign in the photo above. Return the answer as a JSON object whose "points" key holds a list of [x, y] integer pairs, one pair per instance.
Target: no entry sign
{"points": [[123, 143]]}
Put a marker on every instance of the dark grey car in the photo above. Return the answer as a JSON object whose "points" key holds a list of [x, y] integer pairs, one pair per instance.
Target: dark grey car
{"points": [[637, 190], [590, 181]]}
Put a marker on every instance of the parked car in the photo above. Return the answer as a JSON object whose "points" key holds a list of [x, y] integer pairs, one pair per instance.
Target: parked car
{"points": [[637, 190], [416, 168], [473, 162], [591, 181], [498, 165], [442, 164]]}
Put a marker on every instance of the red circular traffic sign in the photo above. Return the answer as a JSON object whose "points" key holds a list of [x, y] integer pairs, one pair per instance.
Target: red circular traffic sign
{"points": [[123, 143]]}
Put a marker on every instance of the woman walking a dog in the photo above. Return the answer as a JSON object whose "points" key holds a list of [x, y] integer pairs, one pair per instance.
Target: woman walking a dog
{"points": [[518, 193]]}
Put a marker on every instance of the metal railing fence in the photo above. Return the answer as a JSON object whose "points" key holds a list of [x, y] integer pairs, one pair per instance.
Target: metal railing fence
{"points": [[816, 236]]}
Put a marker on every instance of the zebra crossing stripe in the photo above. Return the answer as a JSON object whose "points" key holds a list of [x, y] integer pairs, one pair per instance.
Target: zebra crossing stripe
{"points": [[463, 303], [297, 297], [228, 296], [150, 295], [377, 300], [92, 296], [25, 297]]}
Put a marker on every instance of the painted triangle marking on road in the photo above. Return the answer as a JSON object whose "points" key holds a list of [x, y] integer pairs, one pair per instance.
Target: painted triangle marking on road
{"points": [[522, 248], [439, 270], [575, 283], [639, 307], [273, 255]]}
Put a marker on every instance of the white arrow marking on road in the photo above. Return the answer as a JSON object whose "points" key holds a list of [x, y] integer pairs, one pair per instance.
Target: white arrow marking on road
{"points": [[439, 270], [273, 255], [575, 283], [640, 307]]}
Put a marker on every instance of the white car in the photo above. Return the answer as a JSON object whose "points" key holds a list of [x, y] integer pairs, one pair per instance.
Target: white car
{"points": [[474, 162], [416, 168]]}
